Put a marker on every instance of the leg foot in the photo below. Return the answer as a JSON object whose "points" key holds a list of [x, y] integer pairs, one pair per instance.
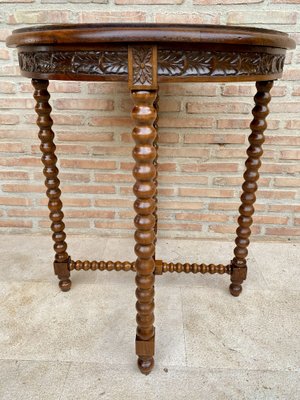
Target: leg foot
{"points": [[65, 285], [235, 289], [145, 364]]}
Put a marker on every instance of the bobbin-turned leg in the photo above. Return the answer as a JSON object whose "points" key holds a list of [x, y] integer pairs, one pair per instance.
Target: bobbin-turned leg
{"points": [[251, 175], [49, 159], [145, 190], [142, 74]]}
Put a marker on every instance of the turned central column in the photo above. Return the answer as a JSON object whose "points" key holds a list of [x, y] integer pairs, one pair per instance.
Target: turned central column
{"points": [[143, 85]]}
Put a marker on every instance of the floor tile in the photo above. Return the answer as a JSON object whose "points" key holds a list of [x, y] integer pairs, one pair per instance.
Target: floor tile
{"points": [[279, 263], [32, 380], [258, 330], [95, 381], [89, 323]]}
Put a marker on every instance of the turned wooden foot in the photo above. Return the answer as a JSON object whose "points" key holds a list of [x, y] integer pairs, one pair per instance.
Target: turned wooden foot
{"points": [[49, 159], [251, 176], [65, 285], [235, 289], [145, 364]]}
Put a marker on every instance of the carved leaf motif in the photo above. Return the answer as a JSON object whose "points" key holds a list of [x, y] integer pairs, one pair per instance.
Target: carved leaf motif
{"points": [[170, 62], [86, 62], [199, 63], [225, 64], [114, 62]]}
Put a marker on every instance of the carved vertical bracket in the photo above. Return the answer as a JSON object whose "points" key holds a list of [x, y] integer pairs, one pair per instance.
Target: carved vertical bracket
{"points": [[142, 67]]}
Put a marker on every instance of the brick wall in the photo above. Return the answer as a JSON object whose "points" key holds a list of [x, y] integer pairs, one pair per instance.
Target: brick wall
{"points": [[203, 132]]}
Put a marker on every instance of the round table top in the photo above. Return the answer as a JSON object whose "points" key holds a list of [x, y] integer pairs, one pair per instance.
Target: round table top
{"points": [[155, 33]]}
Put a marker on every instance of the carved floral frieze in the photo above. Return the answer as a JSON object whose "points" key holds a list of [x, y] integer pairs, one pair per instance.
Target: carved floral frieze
{"points": [[185, 63]]}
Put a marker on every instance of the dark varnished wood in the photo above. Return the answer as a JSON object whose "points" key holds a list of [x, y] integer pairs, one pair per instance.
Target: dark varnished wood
{"points": [[78, 34], [184, 52], [49, 159], [144, 55], [251, 176]]}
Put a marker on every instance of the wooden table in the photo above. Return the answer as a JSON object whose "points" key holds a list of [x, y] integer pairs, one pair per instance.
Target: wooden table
{"points": [[145, 55]]}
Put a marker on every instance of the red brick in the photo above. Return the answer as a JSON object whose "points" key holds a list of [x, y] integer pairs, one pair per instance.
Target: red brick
{"points": [[187, 18], [112, 150], [111, 88], [4, 33], [290, 107], [255, 18], [186, 122], [249, 90], [114, 203], [15, 175], [22, 188], [290, 74], [110, 121], [283, 140], [214, 138], [84, 104], [114, 178], [180, 227], [209, 167], [103, 17], [38, 17], [17, 134], [150, 2], [201, 180], [89, 189], [113, 225], [74, 136], [201, 217], [11, 147], [89, 214], [15, 223], [20, 162], [7, 119], [276, 194], [90, 164], [280, 168], [288, 208], [185, 152], [181, 205], [199, 192], [15, 201], [214, 108], [25, 212], [270, 219], [7, 87], [4, 55], [189, 89], [10, 70], [290, 154], [294, 182], [283, 231], [224, 2]]}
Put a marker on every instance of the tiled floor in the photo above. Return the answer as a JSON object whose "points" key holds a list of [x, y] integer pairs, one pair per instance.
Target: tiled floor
{"points": [[210, 345]]}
